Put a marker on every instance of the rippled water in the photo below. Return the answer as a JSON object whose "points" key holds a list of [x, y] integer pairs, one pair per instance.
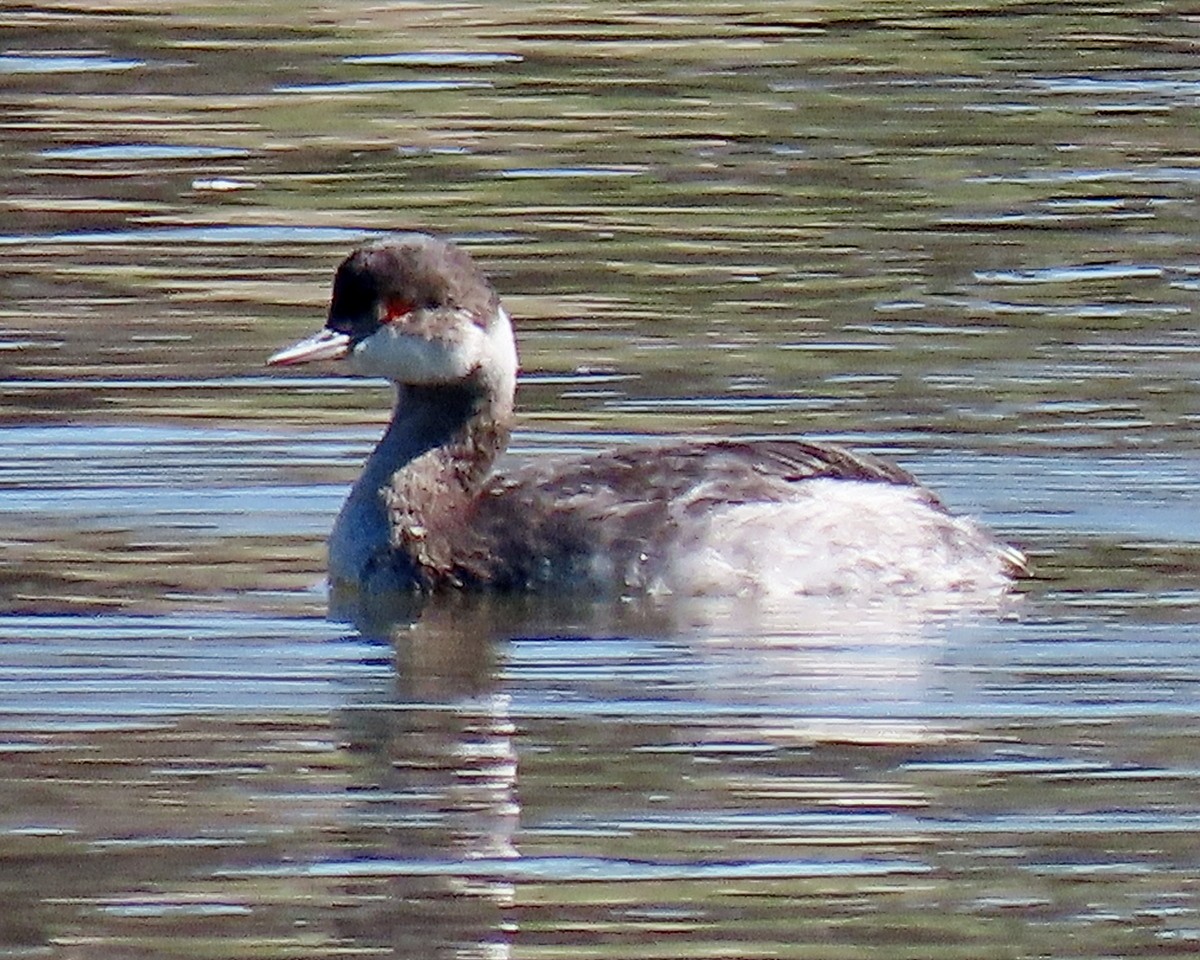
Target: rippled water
{"points": [[963, 238]]}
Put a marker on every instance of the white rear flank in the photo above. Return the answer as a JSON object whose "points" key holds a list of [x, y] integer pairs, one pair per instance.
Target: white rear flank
{"points": [[837, 537]]}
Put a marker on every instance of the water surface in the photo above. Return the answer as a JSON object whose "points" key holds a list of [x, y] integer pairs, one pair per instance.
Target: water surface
{"points": [[959, 238]]}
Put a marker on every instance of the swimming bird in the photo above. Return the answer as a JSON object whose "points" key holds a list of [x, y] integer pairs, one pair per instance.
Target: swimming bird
{"points": [[693, 517]]}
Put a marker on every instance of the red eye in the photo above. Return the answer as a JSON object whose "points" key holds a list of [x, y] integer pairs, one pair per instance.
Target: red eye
{"points": [[395, 309]]}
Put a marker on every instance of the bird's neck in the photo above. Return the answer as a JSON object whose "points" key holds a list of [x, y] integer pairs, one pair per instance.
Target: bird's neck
{"points": [[421, 477]]}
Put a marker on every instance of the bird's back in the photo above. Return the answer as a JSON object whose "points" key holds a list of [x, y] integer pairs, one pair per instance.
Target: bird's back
{"points": [[717, 517]]}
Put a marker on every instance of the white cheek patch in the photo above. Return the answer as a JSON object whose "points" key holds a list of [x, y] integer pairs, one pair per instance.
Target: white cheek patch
{"points": [[412, 359], [500, 346]]}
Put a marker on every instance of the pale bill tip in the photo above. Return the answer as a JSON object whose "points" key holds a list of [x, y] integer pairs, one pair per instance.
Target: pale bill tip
{"points": [[325, 345]]}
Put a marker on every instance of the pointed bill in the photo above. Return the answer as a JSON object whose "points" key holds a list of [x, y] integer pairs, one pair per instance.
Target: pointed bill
{"points": [[325, 345]]}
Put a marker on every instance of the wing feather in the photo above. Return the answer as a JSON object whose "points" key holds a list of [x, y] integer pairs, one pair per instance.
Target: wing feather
{"points": [[558, 521]]}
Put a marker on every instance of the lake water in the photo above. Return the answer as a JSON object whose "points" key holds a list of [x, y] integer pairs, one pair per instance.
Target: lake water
{"points": [[964, 238]]}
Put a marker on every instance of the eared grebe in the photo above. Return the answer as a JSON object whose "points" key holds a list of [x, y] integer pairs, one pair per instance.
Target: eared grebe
{"points": [[723, 517]]}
